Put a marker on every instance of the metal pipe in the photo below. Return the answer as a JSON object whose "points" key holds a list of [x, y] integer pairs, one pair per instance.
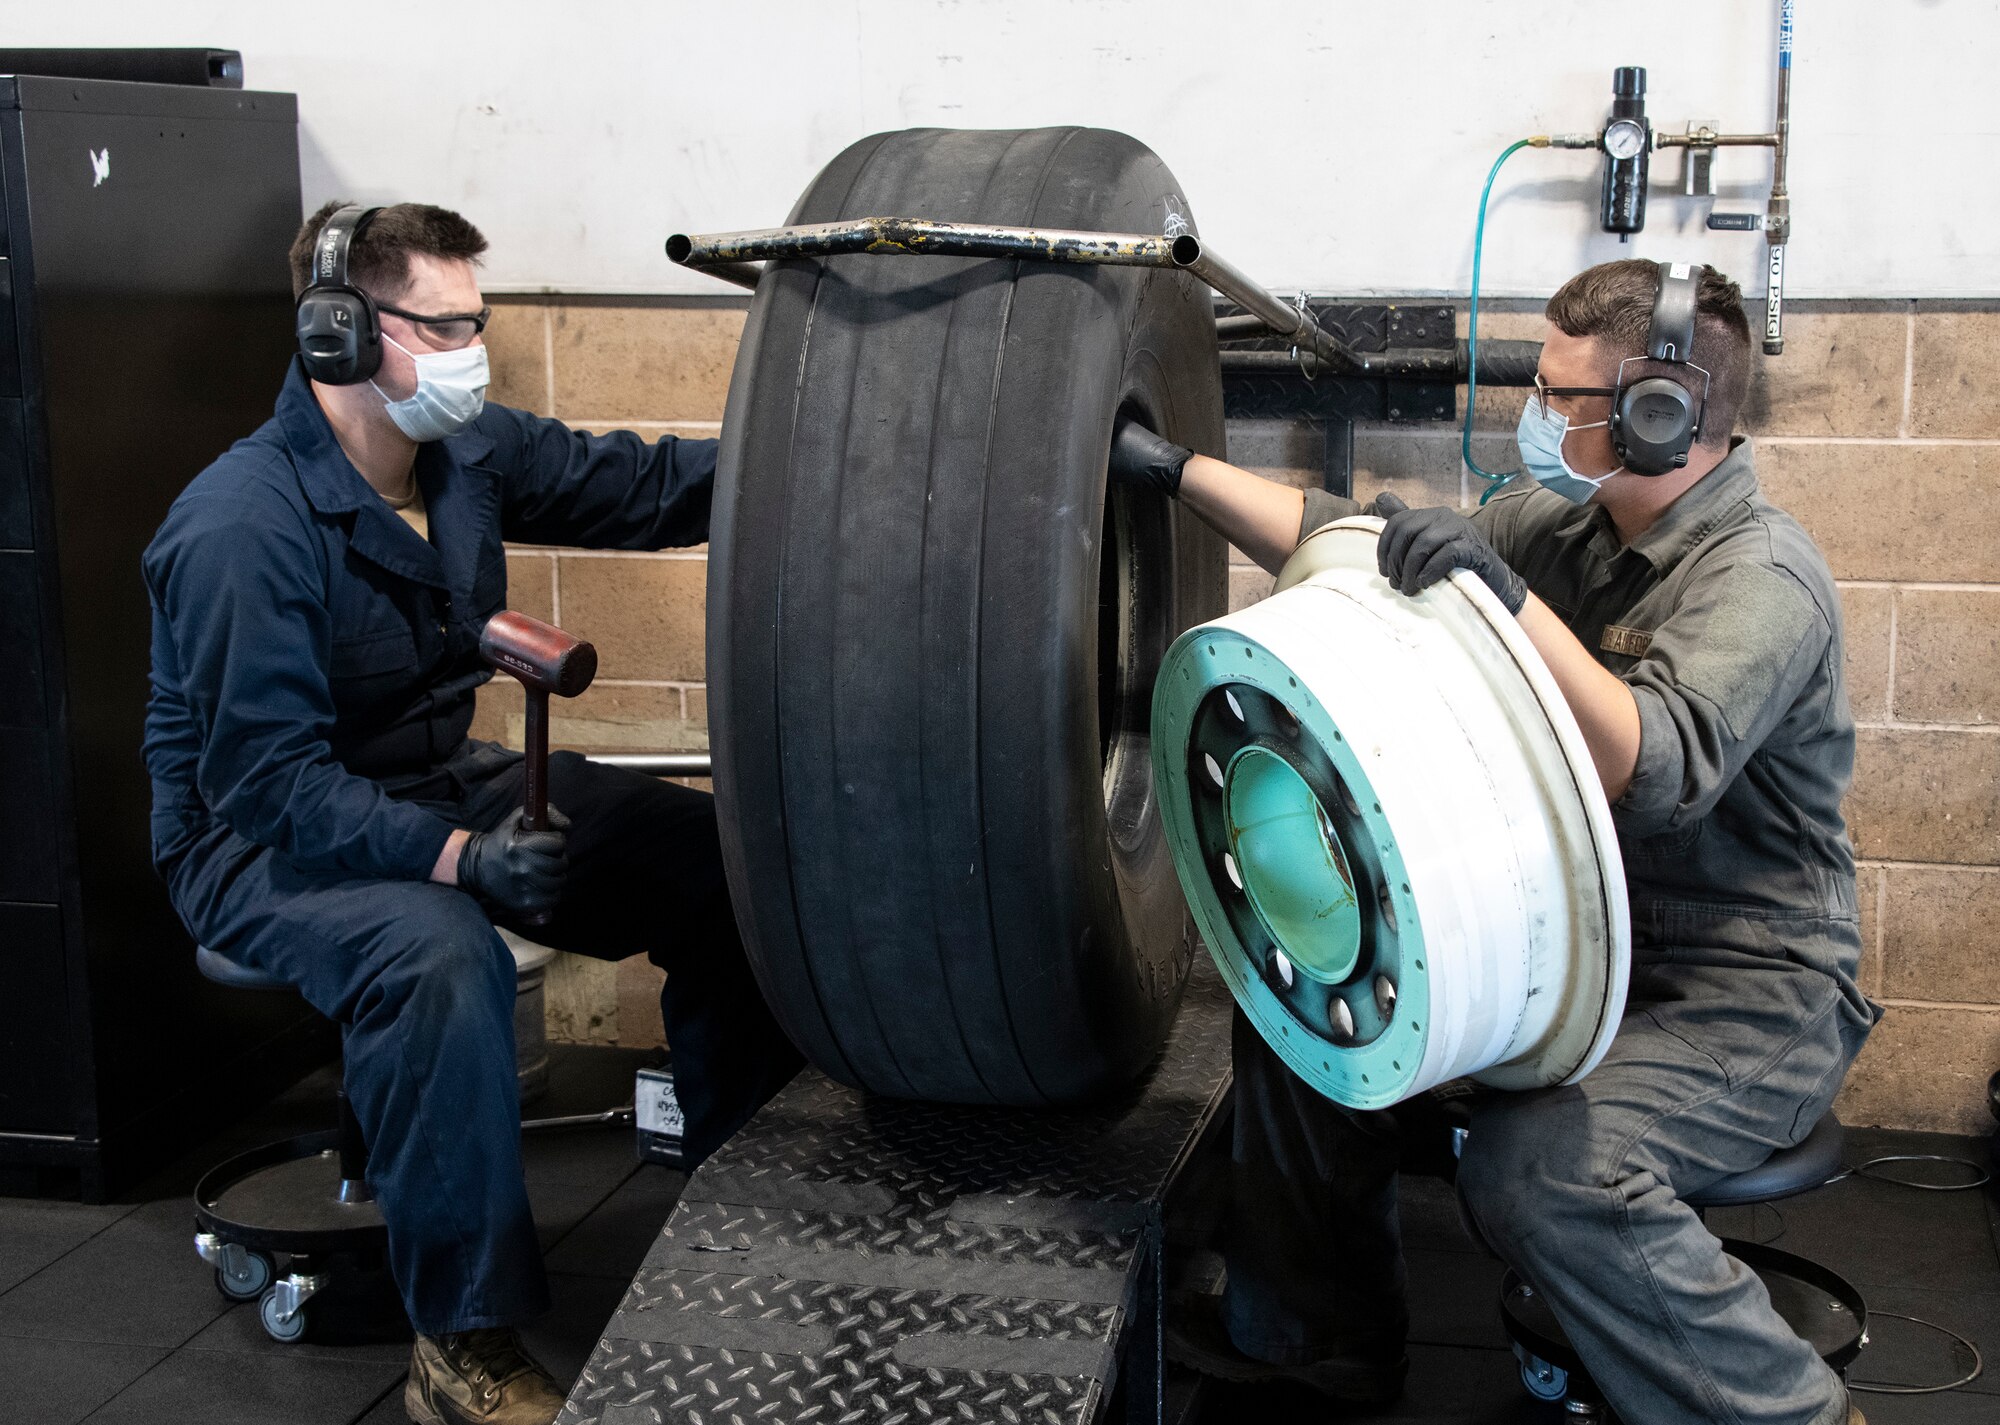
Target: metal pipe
{"points": [[922, 237], [742, 274], [1708, 138], [1501, 363], [1296, 324], [1241, 329], [660, 764], [928, 238], [621, 1117], [1778, 212]]}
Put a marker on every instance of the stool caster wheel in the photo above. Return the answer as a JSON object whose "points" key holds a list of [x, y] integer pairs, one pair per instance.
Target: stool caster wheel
{"points": [[244, 1275], [268, 1311], [282, 1308], [1540, 1379]]}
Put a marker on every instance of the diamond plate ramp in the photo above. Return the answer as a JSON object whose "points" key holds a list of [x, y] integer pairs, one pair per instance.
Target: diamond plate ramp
{"points": [[848, 1259]]}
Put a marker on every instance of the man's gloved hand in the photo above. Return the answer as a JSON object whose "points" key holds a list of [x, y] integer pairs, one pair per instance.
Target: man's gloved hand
{"points": [[517, 869], [1139, 457], [1420, 547]]}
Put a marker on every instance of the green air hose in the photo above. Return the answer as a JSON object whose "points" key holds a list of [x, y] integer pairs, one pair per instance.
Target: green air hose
{"points": [[1493, 482]]}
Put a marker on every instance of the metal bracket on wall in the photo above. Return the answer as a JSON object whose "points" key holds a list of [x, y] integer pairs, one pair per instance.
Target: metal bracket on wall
{"points": [[1265, 378]]}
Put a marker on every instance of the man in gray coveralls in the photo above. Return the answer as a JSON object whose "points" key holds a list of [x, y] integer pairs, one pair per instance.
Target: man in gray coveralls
{"points": [[1695, 632]]}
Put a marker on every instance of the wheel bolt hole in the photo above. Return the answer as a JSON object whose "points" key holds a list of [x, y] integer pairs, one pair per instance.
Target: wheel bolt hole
{"points": [[1213, 768], [1281, 969], [1229, 866], [1389, 911]]}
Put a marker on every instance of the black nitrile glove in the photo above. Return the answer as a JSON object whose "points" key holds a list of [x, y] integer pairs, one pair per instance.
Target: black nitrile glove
{"points": [[1420, 547], [1138, 457], [516, 869]]}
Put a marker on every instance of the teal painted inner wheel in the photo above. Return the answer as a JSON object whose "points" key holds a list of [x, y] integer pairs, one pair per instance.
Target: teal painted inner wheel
{"points": [[1291, 864], [1291, 869]]}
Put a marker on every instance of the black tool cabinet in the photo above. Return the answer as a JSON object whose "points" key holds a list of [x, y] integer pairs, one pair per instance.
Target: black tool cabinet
{"points": [[144, 326]]}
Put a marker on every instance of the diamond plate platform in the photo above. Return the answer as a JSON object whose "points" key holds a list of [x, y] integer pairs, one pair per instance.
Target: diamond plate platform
{"points": [[847, 1259]]}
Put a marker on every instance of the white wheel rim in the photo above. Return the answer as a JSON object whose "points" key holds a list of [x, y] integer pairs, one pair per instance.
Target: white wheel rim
{"points": [[1502, 932]]}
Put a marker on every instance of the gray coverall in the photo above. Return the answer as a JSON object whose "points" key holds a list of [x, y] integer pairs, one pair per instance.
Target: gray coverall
{"points": [[1743, 1012]]}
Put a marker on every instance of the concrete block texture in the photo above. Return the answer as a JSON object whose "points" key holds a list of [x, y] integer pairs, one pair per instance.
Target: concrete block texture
{"points": [[1940, 922], [517, 354], [1954, 369], [1420, 465], [1841, 375], [1926, 794], [1247, 584], [656, 362], [1925, 1067], [1293, 452], [1866, 614], [606, 718], [1886, 510], [1948, 655], [646, 615], [531, 580], [611, 717]]}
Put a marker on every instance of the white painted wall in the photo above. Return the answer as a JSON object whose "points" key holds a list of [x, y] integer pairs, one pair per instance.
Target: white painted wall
{"points": [[1335, 144]]}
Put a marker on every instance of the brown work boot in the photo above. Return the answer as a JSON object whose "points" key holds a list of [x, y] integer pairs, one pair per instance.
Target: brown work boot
{"points": [[478, 1378]]}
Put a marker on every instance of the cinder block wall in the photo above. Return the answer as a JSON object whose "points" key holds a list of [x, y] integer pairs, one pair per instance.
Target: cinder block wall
{"points": [[1877, 429]]}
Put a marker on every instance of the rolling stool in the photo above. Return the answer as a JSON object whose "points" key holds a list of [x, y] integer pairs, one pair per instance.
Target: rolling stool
{"points": [[307, 1198], [1822, 1307], [304, 1197]]}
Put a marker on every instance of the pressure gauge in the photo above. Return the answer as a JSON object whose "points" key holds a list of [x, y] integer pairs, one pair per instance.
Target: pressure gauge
{"points": [[1624, 138]]}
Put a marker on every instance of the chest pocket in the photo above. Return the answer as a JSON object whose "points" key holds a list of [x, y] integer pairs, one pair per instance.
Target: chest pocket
{"points": [[369, 669]]}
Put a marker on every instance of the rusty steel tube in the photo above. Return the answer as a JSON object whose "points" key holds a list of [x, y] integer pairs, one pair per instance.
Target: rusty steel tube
{"points": [[742, 274], [924, 237], [920, 237]]}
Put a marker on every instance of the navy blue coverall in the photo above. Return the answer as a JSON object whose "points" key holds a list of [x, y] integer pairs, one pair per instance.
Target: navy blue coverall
{"points": [[314, 664]]}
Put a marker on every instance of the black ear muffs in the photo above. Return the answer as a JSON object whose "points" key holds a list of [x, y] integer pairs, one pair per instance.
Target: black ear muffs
{"points": [[339, 332], [1655, 420], [1653, 424]]}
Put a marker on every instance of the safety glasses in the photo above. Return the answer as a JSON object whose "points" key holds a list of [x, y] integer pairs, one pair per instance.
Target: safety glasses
{"points": [[1543, 391], [446, 332]]}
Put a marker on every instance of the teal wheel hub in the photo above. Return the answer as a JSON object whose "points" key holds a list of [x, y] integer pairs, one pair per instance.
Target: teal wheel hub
{"points": [[1288, 856], [1291, 869]]}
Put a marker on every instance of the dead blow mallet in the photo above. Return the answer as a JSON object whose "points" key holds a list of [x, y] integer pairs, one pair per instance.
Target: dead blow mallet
{"points": [[545, 660]]}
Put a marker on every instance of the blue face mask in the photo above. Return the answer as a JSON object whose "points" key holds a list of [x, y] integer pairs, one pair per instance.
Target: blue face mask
{"points": [[451, 392], [1541, 435]]}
